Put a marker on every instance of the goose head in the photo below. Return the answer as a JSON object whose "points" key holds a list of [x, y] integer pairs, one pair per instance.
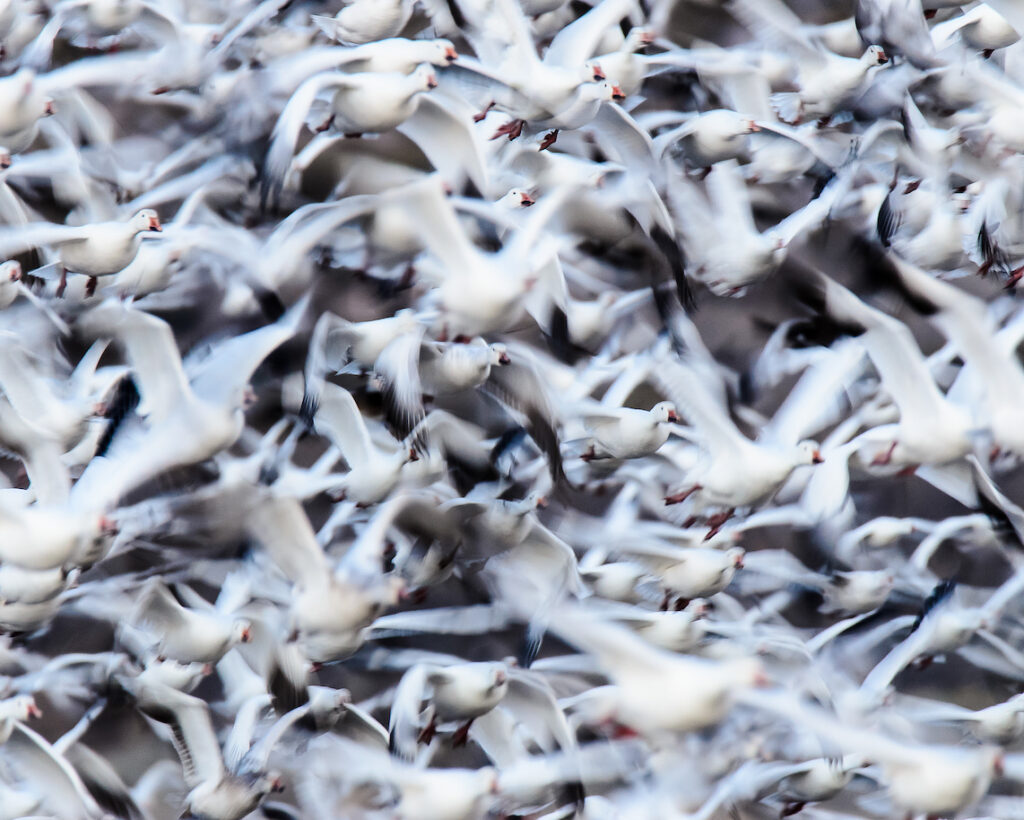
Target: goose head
{"points": [[499, 354], [875, 55], [516, 198], [424, 78], [146, 220], [440, 52], [664, 412], [808, 452]]}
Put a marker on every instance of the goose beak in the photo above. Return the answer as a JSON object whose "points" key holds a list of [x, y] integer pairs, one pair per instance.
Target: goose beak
{"points": [[15, 273], [542, 503], [883, 58], [673, 417], [413, 455], [5, 161], [617, 94], [737, 561], [154, 223], [431, 81], [277, 785], [108, 526], [34, 711], [504, 358], [451, 55], [48, 109], [816, 457], [525, 200], [647, 37], [246, 635], [500, 677], [207, 670], [598, 73]]}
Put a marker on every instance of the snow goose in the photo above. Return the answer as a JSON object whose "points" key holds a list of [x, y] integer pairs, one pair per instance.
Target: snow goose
{"points": [[653, 691], [627, 432], [510, 75], [49, 775], [362, 103], [373, 471], [934, 779], [177, 403], [393, 55], [100, 249], [728, 267], [1000, 723], [24, 103], [734, 471], [897, 25], [622, 67], [988, 368], [825, 80], [460, 693], [215, 792], [479, 292], [184, 634], [330, 608], [364, 21], [930, 430]]}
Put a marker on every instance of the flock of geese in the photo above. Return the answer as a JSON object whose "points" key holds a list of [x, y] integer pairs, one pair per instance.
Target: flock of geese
{"points": [[448, 409]]}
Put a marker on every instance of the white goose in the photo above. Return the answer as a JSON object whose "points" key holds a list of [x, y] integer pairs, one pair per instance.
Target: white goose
{"points": [[330, 608], [99, 249], [735, 472], [362, 103], [365, 21]]}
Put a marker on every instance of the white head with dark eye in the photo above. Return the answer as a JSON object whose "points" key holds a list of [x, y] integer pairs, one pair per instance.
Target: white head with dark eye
{"points": [[809, 452], [442, 53], [499, 354], [146, 220], [664, 412]]}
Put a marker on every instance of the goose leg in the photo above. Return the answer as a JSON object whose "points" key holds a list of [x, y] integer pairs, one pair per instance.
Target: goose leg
{"points": [[63, 283], [549, 139], [461, 734], [426, 735], [680, 497], [483, 112], [90, 286]]}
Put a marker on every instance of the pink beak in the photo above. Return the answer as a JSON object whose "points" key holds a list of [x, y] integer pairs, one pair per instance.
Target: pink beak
{"points": [[599, 73], [108, 526], [451, 55], [617, 94], [34, 711], [431, 81], [816, 457], [15, 272], [673, 417], [48, 109], [154, 224], [526, 200]]}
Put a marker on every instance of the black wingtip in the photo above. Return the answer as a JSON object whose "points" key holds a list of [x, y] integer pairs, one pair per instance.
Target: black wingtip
{"points": [[124, 401], [677, 264], [940, 593], [307, 409]]}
